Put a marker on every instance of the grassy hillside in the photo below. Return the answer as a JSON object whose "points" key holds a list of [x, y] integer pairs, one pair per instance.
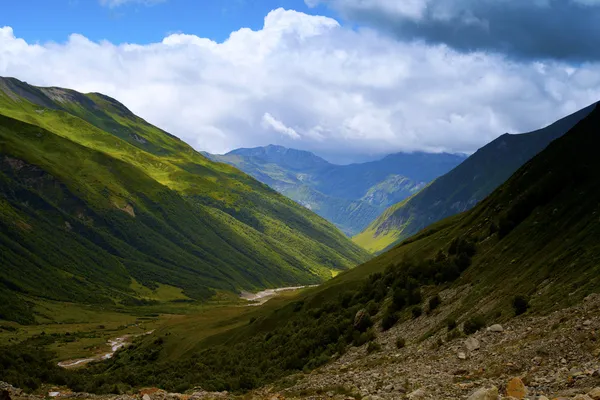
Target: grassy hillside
{"points": [[95, 202], [350, 196], [537, 237], [463, 187]]}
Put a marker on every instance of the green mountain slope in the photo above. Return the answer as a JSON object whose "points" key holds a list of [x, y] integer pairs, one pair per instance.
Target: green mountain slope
{"points": [[464, 186], [350, 196], [93, 197], [537, 236]]}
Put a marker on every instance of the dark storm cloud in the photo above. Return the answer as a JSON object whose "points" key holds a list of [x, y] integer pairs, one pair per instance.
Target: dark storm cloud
{"points": [[525, 29]]}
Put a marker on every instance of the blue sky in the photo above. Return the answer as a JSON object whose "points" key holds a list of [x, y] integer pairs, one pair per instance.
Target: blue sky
{"points": [[135, 22], [347, 79]]}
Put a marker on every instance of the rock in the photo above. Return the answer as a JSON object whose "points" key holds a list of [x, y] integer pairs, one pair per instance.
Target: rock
{"points": [[587, 322], [516, 388], [362, 320], [4, 395], [582, 397], [496, 328], [542, 398], [595, 393], [563, 361], [472, 344], [146, 397], [462, 355], [485, 394], [418, 394]]}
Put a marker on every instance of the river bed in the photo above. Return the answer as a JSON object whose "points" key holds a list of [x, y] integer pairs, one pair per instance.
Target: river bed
{"points": [[256, 299]]}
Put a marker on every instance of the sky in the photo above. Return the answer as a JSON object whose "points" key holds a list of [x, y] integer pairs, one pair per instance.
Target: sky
{"points": [[350, 80]]}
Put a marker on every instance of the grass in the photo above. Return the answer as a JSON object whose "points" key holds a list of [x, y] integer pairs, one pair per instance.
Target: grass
{"points": [[94, 197]]}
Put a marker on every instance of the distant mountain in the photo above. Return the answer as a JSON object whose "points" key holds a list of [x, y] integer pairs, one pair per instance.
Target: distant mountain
{"points": [[350, 196], [99, 206], [463, 187]]}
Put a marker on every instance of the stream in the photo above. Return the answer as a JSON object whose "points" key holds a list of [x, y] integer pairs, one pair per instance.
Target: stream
{"points": [[257, 299], [114, 344]]}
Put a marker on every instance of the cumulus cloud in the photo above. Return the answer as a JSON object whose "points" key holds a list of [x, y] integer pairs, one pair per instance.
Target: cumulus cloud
{"points": [[118, 3], [532, 29], [268, 121], [307, 82]]}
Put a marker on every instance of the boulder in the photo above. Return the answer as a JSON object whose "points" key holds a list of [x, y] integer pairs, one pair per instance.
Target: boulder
{"points": [[362, 320], [462, 355], [472, 344], [418, 394], [516, 388], [582, 397], [595, 393], [146, 397], [496, 328], [485, 394]]}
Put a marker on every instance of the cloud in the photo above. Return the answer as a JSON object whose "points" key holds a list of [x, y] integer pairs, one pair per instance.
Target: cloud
{"points": [[307, 82], [118, 3], [531, 29], [268, 121]]}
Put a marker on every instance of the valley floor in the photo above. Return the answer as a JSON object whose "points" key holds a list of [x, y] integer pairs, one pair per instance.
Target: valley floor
{"points": [[556, 356]]}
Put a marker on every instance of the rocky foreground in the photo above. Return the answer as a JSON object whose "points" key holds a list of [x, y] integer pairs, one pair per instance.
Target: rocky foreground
{"points": [[531, 357]]}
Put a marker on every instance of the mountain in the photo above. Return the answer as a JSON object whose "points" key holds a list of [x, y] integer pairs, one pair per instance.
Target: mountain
{"points": [[350, 196], [532, 246], [464, 186], [98, 206]]}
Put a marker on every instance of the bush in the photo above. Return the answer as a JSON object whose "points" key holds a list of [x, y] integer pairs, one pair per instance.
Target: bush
{"points": [[416, 312], [451, 324], [434, 302], [400, 342], [473, 324], [520, 304], [389, 319], [373, 347], [372, 308], [363, 321]]}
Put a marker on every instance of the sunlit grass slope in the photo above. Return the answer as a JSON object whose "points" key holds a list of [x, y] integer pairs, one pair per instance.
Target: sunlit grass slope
{"points": [[93, 197]]}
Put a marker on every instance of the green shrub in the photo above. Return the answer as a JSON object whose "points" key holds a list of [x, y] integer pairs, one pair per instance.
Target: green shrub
{"points": [[389, 319], [372, 308], [451, 324], [373, 347], [473, 324], [416, 312], [434, 302], [520, 304], [400, 342]]}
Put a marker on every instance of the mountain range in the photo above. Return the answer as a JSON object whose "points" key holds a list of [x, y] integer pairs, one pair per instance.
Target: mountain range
{"points": [[98, 206], [463, 187], [350, 196], [532, 246]]}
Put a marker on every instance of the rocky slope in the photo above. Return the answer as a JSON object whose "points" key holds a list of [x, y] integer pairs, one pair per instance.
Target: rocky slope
{"points": [[350, 196], [463, 187]]}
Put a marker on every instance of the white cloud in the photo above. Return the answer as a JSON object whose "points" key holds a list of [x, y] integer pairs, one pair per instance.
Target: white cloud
{"points": [[118, 3], [268, 121], [307, 82]]}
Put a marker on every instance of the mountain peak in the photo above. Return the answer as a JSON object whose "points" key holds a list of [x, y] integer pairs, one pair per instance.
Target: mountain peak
{"points": [[291, 158]]}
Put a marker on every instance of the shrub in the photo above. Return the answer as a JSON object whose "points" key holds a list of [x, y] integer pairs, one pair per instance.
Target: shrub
{"points": [[473, 324], [389, 319], [400, 342], [416, 312], [451, 324], [373, 347], [434, 302], [372, 308], [362, 321], [520, 304]]}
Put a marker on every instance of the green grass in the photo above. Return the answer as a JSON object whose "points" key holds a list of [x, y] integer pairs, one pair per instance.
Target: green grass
{"points": [[94, 197]]}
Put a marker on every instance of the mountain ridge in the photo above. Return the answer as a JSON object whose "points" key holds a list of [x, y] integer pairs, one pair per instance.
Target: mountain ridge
{"points": [[350, 196], [108, 183], [463, 187]]}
